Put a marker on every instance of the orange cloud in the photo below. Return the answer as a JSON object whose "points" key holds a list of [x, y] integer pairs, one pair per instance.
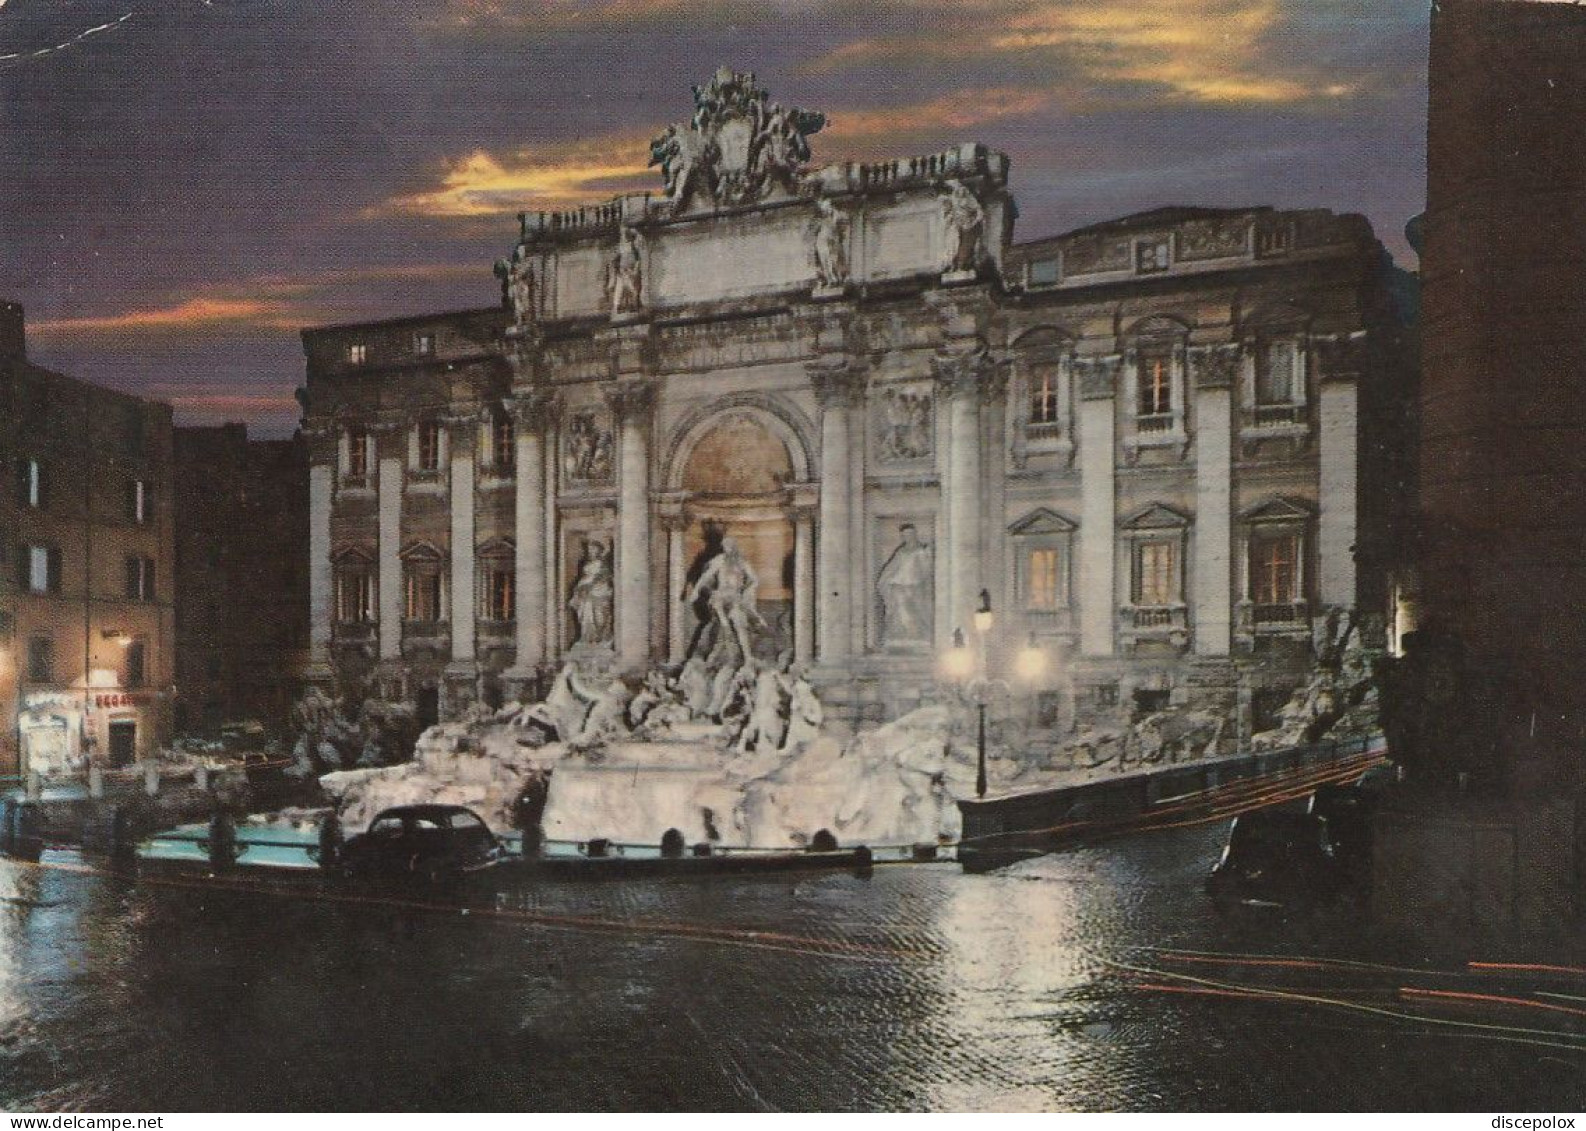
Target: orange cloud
{"points": [[562, 175], [266, 302], [548, 176], [1211, 51], [193, 314], [950, 114]]}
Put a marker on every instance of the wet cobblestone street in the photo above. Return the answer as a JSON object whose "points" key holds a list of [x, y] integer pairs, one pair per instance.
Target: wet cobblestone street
{"points": [[915, 988]]}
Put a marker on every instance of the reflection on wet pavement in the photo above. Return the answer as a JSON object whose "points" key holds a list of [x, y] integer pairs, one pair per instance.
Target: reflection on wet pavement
{"points": [[1093, 980]]}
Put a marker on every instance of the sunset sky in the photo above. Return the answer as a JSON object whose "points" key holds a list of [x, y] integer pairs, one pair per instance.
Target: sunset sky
{"points": [[186, 183]]}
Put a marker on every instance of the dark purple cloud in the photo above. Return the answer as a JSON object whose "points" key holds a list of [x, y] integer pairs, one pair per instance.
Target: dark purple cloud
{"points": [[184, 183]]}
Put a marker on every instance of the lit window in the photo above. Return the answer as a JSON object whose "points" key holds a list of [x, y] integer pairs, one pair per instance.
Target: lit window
{"points": [[423, 594], [1156, 581], [357, 353], [1044, 401], [39, 569], [1274, 569], [424, 344], [1044, 579], [429, 446], [354, 595], [30, 484], [502, 442], [140, 501], [1156, 391], [499, 594]]}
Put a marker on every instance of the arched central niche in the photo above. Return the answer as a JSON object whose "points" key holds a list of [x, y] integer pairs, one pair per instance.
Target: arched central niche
{"points": [[738, 458], [735, 475]]}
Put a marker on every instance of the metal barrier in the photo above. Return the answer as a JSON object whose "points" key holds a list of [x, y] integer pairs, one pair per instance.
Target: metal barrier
{"points": [[1040, 809]]}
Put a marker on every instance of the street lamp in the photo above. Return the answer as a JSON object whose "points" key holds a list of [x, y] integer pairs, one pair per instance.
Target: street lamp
{"points": [[961, 666]]}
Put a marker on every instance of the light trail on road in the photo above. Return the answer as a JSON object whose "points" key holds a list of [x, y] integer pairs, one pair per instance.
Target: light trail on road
{"points": [[808, 945]]}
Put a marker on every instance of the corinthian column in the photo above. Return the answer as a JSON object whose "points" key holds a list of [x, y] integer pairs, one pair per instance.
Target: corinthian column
{"points": [[1098, 381], [390, 444], [965, 380], [321, 595], [631, 401], [532, 411], [461, 430], [836, 382], [1214, 369]]}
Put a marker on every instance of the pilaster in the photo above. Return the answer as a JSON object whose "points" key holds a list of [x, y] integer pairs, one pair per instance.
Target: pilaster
{"points": [[1098, 382]]}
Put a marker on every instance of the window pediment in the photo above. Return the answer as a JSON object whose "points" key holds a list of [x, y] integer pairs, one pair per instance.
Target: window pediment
{"points": [[352, 556], [422, 552], [1280, 510], [1042, 522], [1159, 328], [501, 547], [1154, 518], [1286, 319]]}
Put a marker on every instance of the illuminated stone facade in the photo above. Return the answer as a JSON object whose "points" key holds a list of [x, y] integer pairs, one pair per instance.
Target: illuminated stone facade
{"points": [[1148, 441]]}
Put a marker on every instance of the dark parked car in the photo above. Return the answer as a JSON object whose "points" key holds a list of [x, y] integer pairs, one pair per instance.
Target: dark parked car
{"points": [[1276, 861], [428, 843], [1347, 809]]}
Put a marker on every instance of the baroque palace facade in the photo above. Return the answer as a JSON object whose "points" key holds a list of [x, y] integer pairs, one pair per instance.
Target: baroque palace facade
{"points": [[1148, 444]]}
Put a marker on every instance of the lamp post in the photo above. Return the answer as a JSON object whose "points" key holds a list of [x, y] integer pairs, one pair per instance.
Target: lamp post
{"points": [[974, 673]]}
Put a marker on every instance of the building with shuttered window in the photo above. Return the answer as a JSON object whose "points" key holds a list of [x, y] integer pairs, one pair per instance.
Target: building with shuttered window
{"points": [[86, 610]]}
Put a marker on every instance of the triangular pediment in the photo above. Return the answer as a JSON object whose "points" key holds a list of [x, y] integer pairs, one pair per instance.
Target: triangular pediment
{"points": [[1157, 516], [352, 555], [422, 552], [1043, 520], [1280, 509]]}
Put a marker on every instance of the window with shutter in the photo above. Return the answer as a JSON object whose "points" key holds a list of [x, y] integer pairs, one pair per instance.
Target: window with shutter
{"points": [[133, 674], [30, 484], [37, 577], [41, 660], [140, 501]]}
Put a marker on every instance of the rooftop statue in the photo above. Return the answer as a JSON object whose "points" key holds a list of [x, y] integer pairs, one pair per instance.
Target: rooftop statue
{"points": [[738, 148]]}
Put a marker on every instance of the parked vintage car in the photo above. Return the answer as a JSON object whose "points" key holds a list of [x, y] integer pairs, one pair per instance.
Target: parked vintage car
{"points": [[432, 844], [1276, 861], [1347, 808]]}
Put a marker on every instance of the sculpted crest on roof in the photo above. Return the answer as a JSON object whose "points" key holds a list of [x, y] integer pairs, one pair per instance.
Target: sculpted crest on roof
{"points": [[739, 147]]}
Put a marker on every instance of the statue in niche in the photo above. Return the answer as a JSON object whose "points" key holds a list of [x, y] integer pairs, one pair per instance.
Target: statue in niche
{"points": [[905, 424], [906, 590], [517, 286], [829, 236], [966, 227], [625, 278], [588, 453], [729, 586], [590, 602]]}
